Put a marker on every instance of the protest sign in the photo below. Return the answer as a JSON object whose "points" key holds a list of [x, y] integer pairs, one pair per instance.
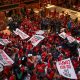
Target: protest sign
{"points": [[4, 41], [5, 59], [35, 39], [15, 32], [71, 39], [79, 51], [40, 32], [62, 35], [66, 69], [21, 34]]}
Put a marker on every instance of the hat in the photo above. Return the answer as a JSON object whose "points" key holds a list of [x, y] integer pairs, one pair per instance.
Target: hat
{"points": [[29, 55]]}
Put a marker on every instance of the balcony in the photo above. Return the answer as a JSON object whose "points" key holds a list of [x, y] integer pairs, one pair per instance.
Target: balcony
{"points": [[12, 4]]}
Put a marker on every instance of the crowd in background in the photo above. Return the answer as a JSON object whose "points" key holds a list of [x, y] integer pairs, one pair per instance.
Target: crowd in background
{"points": [[39, 63], [71, 4]]}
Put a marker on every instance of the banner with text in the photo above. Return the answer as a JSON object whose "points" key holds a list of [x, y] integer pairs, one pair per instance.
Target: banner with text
{"points": [[21, 34], [71, 39], [35, 39], [4, 41], [63, 35], [66, 69], [5, 59], [40, 32], [78, 51]]}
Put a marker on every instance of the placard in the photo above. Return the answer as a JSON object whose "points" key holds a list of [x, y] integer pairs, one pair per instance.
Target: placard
{"points": [[40, 32], [35, 39], [21, 34], [66, 69], [5, 59], [4, 41]]}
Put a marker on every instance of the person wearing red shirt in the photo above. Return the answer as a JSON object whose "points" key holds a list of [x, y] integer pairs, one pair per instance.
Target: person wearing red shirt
{"points": [[6, 70], [44, 55], [12, 77], [30, 62], [60, 57], [33, 76], [75, 63], [29, 46], [50, 74], [40, 68]]}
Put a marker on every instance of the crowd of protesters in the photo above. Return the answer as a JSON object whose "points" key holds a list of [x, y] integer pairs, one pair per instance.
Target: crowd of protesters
{"points": [[39, 63]]}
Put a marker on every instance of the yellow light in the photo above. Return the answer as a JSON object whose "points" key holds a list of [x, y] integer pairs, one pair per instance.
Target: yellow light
{"points": [[49, 6], [36, 11]]}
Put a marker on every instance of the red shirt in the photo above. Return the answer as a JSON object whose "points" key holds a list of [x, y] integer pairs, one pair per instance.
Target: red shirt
{"points": [[36, 49], [50, 75], [60, 57], [6, 70], [12, 77], [40, 67], [44, 54], [22, 68], [33, 77], [1, 47], [75, 63], [29, 46], [48, 45]]}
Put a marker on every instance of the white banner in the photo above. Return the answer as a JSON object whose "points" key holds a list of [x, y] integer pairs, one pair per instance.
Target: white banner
{"points": [[71, 39], [4, 41], [1, 68], [15, 32], [40, 32], [21, 34], [35, 39], [63, 35], [5, 59], [78, 41], [79, 51], [66, 69]]}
